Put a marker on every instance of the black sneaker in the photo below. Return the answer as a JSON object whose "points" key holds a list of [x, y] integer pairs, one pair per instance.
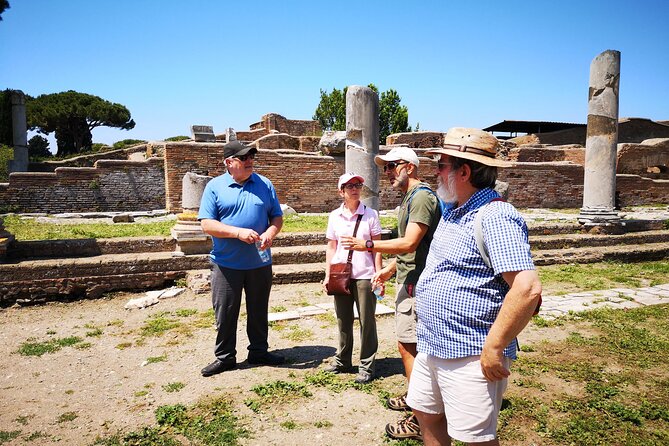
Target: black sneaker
{"points": [[266, 358], [218, 366]]}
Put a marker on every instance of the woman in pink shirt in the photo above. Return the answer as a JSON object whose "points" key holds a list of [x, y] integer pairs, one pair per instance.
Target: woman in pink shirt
{"points": [[364, 263]]}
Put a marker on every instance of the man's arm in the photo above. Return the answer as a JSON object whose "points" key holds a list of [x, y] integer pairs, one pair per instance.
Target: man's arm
{"points": [[517, 309], [275, 225], [409, 243], [220, 230]]}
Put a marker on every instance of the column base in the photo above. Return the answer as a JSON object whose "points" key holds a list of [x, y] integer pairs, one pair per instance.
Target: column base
{"points": [[598, 216]]}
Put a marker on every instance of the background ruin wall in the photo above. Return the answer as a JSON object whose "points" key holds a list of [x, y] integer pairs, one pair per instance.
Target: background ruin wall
{"points": [[544, 177]]}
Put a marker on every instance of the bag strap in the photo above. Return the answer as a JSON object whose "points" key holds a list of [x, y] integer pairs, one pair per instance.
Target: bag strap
{"points": [[355, 231], [478, 233]]}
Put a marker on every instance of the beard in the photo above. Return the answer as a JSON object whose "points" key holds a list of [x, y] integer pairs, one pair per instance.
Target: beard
{"points": [[446, 190]]}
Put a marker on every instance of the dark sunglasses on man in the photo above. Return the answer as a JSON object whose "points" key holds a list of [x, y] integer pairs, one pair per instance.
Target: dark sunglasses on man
{"points": [[392, 165], [243, 158], [351, 186]]}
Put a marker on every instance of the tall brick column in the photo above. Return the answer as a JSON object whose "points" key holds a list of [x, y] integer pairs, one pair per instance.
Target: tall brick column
{"points": [[599, 182], [362, 140]]}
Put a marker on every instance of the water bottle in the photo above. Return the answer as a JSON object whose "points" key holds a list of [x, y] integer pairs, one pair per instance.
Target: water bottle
{"points": [[263, 253], [378, 292]]}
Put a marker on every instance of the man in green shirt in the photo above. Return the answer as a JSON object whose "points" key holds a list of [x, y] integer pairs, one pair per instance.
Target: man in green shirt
{"points": [[418, 217]]}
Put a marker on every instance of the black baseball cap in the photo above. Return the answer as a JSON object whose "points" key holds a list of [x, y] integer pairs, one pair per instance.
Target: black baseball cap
{"points": [[236, 148]]}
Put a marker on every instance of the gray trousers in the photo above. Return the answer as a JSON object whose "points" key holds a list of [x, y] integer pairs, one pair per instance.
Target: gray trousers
{"points": [[365, 301], [226, 295]]}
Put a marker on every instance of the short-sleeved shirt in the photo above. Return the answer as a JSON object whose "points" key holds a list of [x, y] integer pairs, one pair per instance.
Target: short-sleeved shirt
{"points": [[341, 223], [458, 297], [418, 206], [250, 205]]}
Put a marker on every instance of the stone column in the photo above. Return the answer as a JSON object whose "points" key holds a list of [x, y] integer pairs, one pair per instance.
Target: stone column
{"points": [[187, 230], [19, 132], [599, 182], [362, 140]]}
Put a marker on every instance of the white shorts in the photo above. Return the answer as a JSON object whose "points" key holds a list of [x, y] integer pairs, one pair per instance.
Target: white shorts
{"points": [[458, 389]]}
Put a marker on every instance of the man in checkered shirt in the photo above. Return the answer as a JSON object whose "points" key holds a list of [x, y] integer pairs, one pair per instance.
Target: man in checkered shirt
{"points": [[469, 314]]}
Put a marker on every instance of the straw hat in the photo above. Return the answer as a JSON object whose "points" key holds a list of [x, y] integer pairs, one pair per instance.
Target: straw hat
{"points": [[471, 144]]}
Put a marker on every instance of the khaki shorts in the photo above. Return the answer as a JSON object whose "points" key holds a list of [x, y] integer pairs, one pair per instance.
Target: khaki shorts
{"points": [[405, 316], [458, 389]]}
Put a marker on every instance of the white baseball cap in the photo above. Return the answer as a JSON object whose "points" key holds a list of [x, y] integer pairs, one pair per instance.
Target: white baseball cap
{"points": [[397, 154], [348, 177]]}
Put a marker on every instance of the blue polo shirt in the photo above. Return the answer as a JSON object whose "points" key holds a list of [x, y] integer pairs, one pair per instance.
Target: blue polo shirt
{"points": [[458, 297], [250, 205]]}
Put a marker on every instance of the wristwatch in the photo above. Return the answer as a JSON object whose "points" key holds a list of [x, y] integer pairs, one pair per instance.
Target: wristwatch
{"points": [[369, 244]]}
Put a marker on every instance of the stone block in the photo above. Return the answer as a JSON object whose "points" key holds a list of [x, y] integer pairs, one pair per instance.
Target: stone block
{"points": [[203, 133]]}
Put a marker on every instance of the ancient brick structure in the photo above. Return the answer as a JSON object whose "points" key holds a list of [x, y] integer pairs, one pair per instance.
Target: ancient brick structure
{"points": [[273, 122], [109, 186]]}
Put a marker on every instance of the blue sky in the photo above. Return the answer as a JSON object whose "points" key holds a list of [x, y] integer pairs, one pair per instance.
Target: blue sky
{"points": [[224, 63]]}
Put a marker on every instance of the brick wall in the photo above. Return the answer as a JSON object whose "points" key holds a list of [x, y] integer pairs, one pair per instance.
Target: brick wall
{"points": [[637, 158], [109, 186], [571, 153]]}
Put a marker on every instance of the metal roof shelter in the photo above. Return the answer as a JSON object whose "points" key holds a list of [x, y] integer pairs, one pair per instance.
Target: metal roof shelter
{"points": [[527, 127]]}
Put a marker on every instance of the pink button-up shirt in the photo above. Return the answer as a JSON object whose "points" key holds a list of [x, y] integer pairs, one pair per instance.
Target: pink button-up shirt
{"points": [[340, 224]]}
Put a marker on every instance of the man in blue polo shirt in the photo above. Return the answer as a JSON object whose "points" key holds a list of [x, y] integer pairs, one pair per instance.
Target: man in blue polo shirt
{"points": [[241, 212], [469, 310]]}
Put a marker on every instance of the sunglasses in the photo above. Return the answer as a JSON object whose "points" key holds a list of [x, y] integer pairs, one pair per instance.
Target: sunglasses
{"points": [[351, 186], [245, 157], [392, 165]]}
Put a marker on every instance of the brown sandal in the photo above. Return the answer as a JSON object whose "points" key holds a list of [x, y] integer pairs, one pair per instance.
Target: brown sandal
{"points": [[398, 403], [405, 428]]}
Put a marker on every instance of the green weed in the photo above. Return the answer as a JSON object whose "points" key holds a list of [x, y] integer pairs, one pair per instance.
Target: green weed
{"points": [[173, 387], [185, 312], [51, 346], [154, 359], [158, 324], [67, 416], [6, 436]]}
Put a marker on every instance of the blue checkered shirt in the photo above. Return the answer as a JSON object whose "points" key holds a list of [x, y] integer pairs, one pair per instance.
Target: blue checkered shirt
{"points": [[457, 296]]}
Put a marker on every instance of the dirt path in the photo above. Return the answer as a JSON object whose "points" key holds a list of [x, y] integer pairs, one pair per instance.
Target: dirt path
{"points": [[75, 394]]}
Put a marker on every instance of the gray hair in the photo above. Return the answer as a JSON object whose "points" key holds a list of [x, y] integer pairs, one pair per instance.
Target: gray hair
{"points": [[482, 176]]}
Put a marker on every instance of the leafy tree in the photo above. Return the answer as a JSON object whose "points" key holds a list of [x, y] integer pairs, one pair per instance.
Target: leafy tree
{"points": [[393, 117], [38, 147], [4, 4], [331, 110], [72, 115]]}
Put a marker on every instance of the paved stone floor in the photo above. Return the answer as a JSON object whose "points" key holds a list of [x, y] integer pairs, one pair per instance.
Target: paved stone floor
{"points": [[555, 306], [551, 308]]}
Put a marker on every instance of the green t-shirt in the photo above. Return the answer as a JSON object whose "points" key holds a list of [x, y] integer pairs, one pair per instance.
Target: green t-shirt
{"points": [[424, 209]]}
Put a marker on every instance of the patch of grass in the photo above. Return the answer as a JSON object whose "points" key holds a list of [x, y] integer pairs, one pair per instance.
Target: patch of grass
{"points": [[141, 393], [29, 229], [328, 380], [276, 393], [289, 425], [67, 416], [50, 346], [205, 319], [96, 332], [23, 420], [154, 359], [115, 323], [173, 387], [69, 392], [35, 436], [599, 276], [83, 346], [185, 312], [617, 380], [278, 309], [323, 423], [158, 324], [124, 345], [297, 334], [6, 436]]}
